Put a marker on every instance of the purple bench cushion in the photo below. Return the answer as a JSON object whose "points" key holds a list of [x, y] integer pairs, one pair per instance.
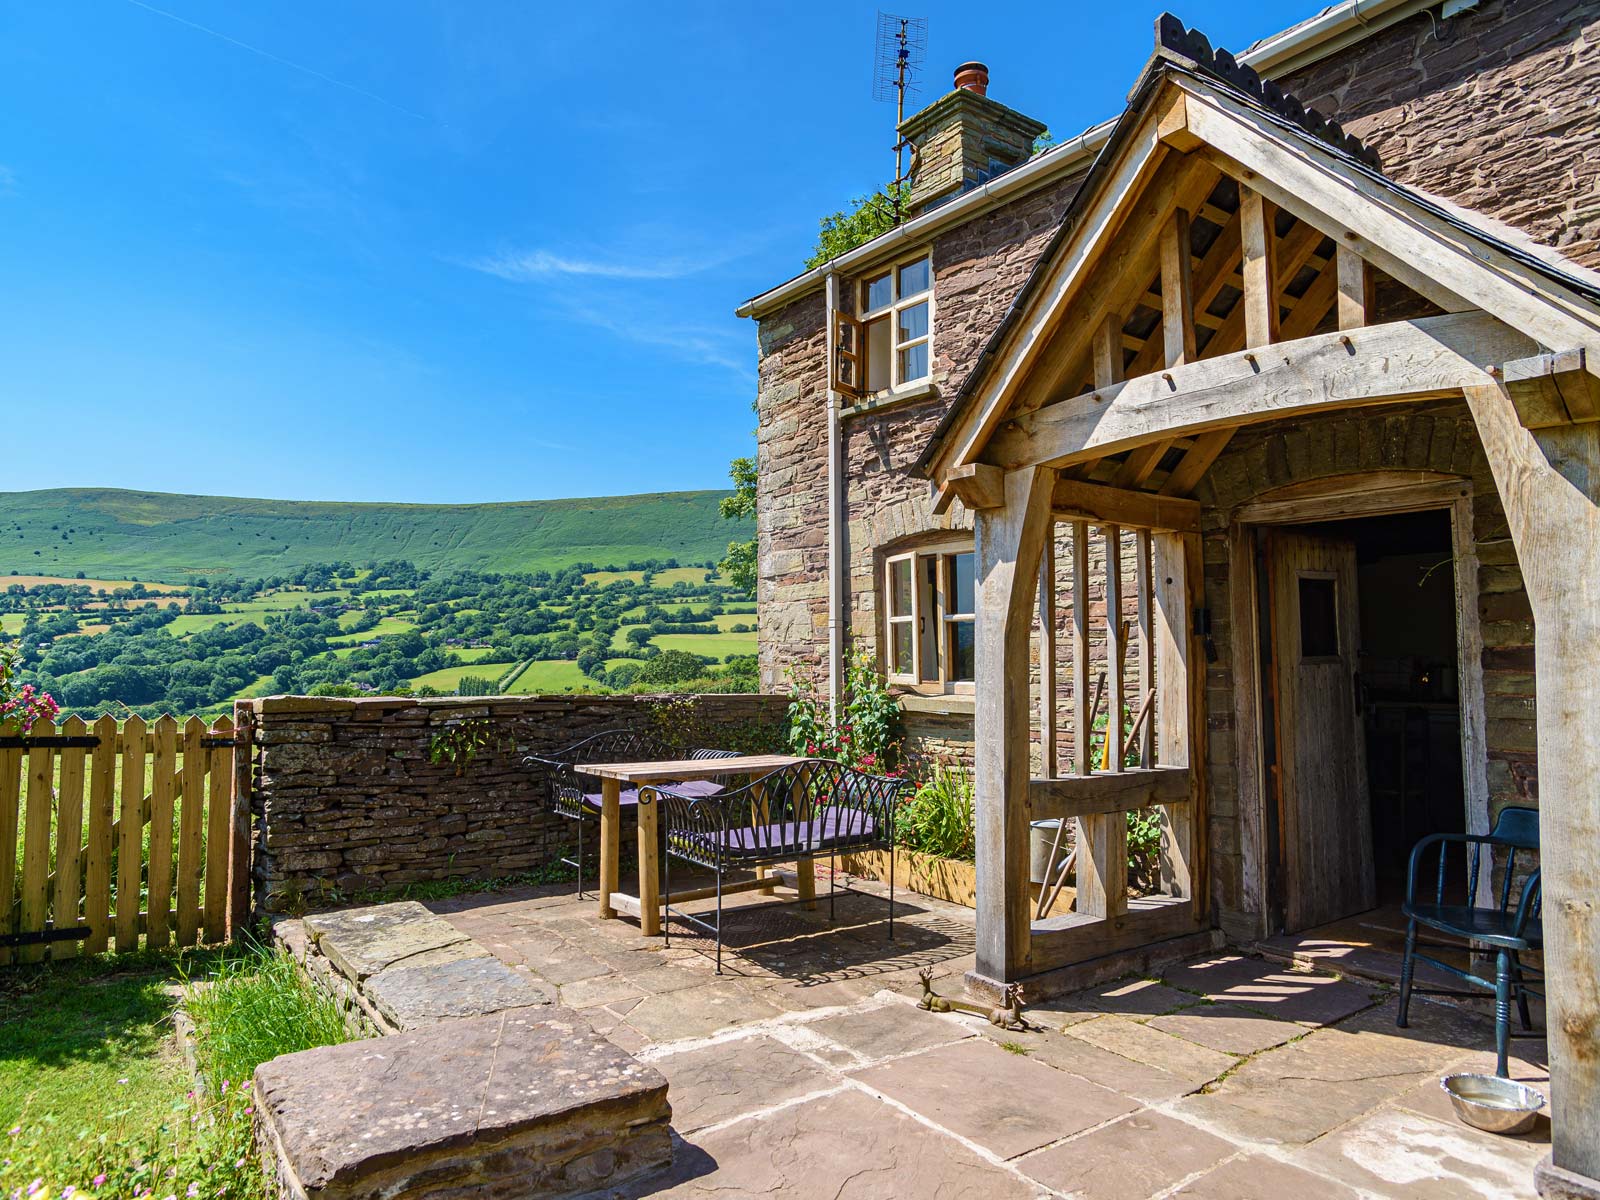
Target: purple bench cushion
{"points": [[831, 827], [698, 788]]}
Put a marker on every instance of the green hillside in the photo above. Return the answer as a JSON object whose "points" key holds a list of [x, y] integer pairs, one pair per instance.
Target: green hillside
{"points": [[113, 534]]}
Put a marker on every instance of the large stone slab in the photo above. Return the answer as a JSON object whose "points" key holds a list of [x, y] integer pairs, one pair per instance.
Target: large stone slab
{"points": [[848, 1146], [525, 1103], [1132, 1159], [1394, 1153], [1308, 997], [363, 941], [1228, 1029], [1255, 1177], [1004, 1102], [743, 1075], [1153, 1048], [413, 996]]}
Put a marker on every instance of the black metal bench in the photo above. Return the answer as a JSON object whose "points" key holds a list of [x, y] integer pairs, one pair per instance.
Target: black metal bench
{"points": [[577, 797], [811, 808], [1509, 932]]}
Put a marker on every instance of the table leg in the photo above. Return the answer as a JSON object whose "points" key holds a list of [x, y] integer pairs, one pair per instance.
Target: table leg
{"points": [[610, 841], [649, 870], [805, 881]]}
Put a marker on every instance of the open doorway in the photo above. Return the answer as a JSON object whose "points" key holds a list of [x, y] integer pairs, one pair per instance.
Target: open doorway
{"points": [[1362, 727]]}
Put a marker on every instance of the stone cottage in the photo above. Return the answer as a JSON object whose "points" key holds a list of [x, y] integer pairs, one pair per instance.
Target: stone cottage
{"points": [[1235, 461]]}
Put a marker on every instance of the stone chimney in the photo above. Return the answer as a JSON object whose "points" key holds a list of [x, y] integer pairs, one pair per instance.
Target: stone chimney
{"points": [[964, 139]]}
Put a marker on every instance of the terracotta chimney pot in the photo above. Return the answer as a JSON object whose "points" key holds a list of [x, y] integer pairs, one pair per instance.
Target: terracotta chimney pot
{"points": [[974, 77]]}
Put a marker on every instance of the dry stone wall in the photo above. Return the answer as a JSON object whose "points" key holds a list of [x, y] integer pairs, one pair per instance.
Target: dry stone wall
{"points": [[345, 799]]}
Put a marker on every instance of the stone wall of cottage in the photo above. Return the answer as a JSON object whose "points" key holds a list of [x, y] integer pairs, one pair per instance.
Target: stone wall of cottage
{"points": [[345, 798], [1493, 108], [1439, 438]]}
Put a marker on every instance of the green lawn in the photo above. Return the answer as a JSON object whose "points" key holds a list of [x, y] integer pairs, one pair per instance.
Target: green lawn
{"points": [[672, 575], [92, 1036], [385, 627], [449, 678], [12, 622], [717, 645], [557, 675]]}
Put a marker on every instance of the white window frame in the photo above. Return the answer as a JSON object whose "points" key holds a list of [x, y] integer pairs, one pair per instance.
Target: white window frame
{"points": [[891, 313], [935, 607]]}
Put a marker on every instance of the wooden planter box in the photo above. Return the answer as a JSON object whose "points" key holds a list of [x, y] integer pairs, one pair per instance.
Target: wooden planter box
{"points": [[940, 878]]}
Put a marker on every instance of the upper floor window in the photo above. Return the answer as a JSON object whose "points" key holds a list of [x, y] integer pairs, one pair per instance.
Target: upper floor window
{"points": [[929, 601], [896, 310]]}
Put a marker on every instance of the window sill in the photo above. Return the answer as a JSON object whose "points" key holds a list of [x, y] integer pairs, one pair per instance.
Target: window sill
{"points": [[948, 705], [927, 389]]}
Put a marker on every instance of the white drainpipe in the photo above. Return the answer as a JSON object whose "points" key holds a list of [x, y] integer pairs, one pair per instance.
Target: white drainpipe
{"points": [[838, 570]]}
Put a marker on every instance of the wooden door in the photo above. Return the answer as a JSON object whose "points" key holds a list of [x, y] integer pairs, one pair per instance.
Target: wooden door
{"points": [[1325, 824]]}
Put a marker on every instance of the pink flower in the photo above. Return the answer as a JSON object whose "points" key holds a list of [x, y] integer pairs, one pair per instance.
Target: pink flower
{"points": [[99, 1179], [194, 1190]]}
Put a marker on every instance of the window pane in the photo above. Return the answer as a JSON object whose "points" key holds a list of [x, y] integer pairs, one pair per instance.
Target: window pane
{"points": [[914, 322], [878, 292], [1319, 625], [914, 362], [878, 352], [900, 654], [962, 657], [914, 278], [900, 588], [962, 591]]}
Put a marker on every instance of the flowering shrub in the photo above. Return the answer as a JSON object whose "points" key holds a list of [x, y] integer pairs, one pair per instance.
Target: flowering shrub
{"points": [[20, 707], [866, 735]]}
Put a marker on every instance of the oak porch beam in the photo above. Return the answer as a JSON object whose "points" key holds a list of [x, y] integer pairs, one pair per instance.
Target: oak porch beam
{"points": [[1073, 499], [1108, 792], [1009, 540], [1549, 484], [1427, 358]]}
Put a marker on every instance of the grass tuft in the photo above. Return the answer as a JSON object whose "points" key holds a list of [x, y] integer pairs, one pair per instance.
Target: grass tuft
{"points": [[252, 1008]]}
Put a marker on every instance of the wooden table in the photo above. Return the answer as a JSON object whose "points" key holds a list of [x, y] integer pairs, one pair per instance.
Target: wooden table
{"points": [[665, 772]]}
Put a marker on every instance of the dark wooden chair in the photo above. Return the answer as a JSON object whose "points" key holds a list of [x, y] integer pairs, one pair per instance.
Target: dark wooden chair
{"points": [[577, 798], [1506, 929], [810, 808]]}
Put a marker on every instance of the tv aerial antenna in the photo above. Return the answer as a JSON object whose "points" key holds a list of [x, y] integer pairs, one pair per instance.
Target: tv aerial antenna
{"points": [[898, 54]]}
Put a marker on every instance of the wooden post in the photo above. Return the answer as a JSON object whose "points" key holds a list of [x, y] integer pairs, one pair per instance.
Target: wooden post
{"points": [[1147, 650], [36, 839], [1177, 291], [1355, 287], [1259, 268], [649, 823], [219, 814], [1173, 702], [163, 793], [1116, 690], [97, 877], [1549, 484], [191, 831], [130, 834], [239, 826], [69, 837], [1010, 543], [610, 845], [1047, 655], [1082, 718]]}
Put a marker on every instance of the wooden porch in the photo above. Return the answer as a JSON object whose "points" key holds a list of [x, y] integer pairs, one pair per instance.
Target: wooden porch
{"points": [[1230, 269]]}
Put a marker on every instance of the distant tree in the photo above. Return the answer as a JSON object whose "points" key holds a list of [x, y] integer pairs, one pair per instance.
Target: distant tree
{"points": [[739, 567], [865, 218], [671, 666]]}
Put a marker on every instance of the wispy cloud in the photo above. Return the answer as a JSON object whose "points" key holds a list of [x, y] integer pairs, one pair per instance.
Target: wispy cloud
{"points": [[8, 181], [692, 343], [282, 62], [528, 266]]}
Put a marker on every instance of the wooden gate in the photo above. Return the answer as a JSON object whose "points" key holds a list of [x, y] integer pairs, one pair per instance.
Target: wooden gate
{"points": [[112, 833]]}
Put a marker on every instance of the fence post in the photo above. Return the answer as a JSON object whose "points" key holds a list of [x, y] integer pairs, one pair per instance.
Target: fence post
{"points": [[244, 721]]}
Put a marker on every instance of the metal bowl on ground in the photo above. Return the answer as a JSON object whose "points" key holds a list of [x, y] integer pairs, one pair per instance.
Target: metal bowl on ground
{"points": [[1493, 1104]]}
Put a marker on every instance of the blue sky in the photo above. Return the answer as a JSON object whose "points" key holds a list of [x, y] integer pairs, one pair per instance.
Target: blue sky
{"points": [[447, 251]]}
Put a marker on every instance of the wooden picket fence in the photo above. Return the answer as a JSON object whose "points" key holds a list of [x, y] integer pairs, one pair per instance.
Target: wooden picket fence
{"points": [[115, 832]]}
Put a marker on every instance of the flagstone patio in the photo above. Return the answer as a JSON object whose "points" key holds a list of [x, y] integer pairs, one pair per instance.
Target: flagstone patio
{"points": [[806, 1069]]}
